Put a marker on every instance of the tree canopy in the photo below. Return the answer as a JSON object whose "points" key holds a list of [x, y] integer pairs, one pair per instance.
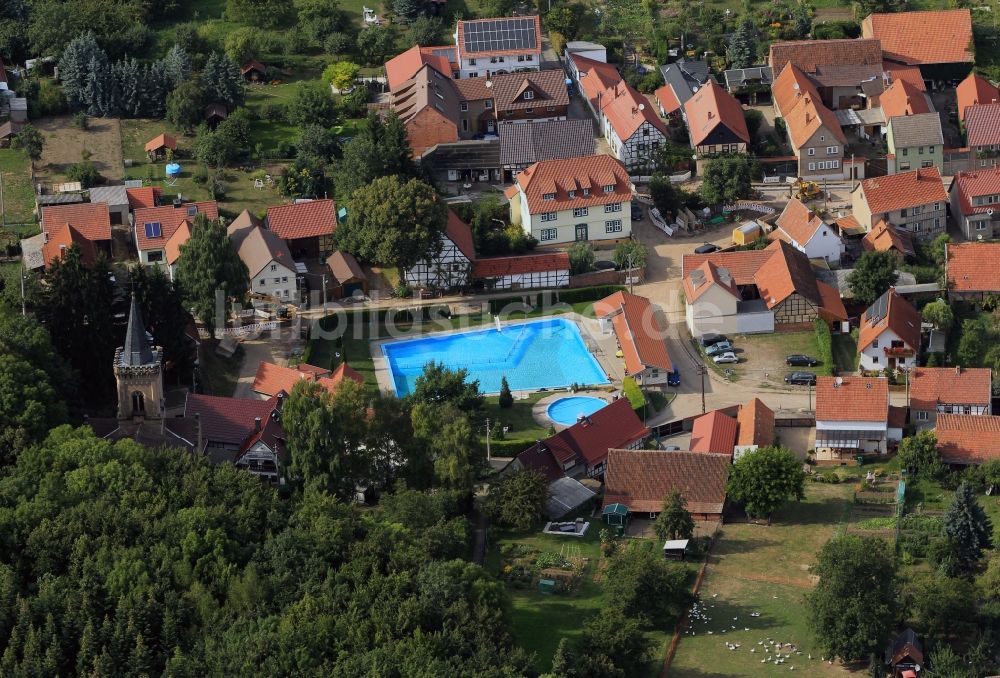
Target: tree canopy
{"points": [[764, 479], [210, 272], [517, 500], [968, 529], [674, 521], [874, 273], [727, 178]]}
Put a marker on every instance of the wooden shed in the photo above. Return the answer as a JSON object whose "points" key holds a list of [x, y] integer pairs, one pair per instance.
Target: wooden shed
{"points": [[215, 114], [254, 71], [158, 145], [347, 277]]}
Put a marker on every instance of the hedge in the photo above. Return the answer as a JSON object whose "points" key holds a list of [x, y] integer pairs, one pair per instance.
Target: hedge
{"points": [[824, 342], [509, 448]]}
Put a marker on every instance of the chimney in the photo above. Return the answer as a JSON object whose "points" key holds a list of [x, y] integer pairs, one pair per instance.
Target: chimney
{"points": [[958, 369], [808, 116], [256, 425], [710, 115], [197, 424]]}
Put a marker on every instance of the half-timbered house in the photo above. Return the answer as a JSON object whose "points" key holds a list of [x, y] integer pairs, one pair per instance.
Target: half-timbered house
{"points": [[451, 267]]}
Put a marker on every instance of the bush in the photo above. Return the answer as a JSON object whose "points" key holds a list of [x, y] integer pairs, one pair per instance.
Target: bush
{"points": [[581, 257], [506, 399], [631, 249], [631, 390], [824, 344], [80, 120], [274, 112], [86, 173]]}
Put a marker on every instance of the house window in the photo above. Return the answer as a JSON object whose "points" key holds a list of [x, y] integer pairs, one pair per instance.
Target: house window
{"points": [[937, 223], [874, 343], [580, 212], [640, 146], [473, 75], [902, 212], [613, 207], [263, 281], [906, 151], [937, 206], [510, 111], [920, 150], [529, 57], [832, 150], [966, 410], [609, 189], [613, 226], [493, 60], [549, 233], [548, 216], [930, 149], [154, 256], [917, 227], [529, 95], [489, 104], [274, 267], [277, 280], [980, 225], [812, 167], [875, 359], [529, 110], [472, 62], [520, 57], [501, 59], [822, 137], [812, 151], [586, 192], [926, 163], [465, 105], [548, 196], [904, 166], [465, 125], [922, 415], [571, 194], [645, 131]]}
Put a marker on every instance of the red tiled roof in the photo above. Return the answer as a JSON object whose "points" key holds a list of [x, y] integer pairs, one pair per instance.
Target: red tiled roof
{"points": [[982, 124], [934, 37], [303, 220], [974, 90], [710, 107], [460, 39], [808, 54], [713, 432], [885, 237], [626, 110], [968, 438], [743, 266], [970, 185], [904, 190], [539, 458], [558, 177], [61, 238], [161, 141], [900, 317], [756, 424], [712, 274], [227, 420], [831, 305], [667, 100], [91, 220], [799, 222], [910, 74], [802, 108], [786, 272], [973, 266], [180, 236], [272, 379], [902, 98], [855, 399], [641, 479], [596, 77], [459, 233], [640, 335], [548, 87], [401, 68], [615, 425], [170, 218], [139, 198], [950, 386], [497, 267]]}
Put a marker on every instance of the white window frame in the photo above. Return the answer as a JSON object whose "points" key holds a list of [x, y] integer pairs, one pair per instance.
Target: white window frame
{"points": [[811, 151], [580, 212], [612, 207], [547, 234], [922, 415], [613, 226], [548, 196], [609, 189], [528, 95], [549, 216]]}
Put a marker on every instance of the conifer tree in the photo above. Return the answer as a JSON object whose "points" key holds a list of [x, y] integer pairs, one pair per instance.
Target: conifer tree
{"points": [[968, 529]]}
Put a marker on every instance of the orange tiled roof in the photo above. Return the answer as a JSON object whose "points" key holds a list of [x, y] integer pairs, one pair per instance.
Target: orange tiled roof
{"points": [[667, 100], [950, 386], [934, 37], [496, 267], [179, 237], [710, 107], [626, 110], [799, 222], [91, 220], [900, 317], [973, 266], [595, 78], [756, 424], [831, 305], [854, 399], [970, 185], [161, 141], [885, 237], [459, 233], [713, 432], [559, 177], [802, 108], [139, 198], [401, 68], [303, 220], [712, 274], [974, 90], [640, 479], [808, 54], [968, 438], [910, 74], [786, 272], [640, 335], [170, 218], [61, 238], [902, 98], [906, 189], [743, 266], [271, 378]]}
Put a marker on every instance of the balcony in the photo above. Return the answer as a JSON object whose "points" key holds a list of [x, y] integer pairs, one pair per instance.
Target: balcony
{"points": [[898, 351]]}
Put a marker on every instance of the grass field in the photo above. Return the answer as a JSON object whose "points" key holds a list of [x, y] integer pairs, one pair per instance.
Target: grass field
{"points": [[65, 145], [765, 569], [18, 193], [762, 356], [522, 426]]}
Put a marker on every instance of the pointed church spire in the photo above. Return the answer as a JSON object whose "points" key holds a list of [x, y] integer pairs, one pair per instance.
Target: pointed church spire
{"points": [[136, 351]]}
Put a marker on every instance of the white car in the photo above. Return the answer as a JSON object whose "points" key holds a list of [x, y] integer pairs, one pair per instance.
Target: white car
{"points": [[728, 357]]}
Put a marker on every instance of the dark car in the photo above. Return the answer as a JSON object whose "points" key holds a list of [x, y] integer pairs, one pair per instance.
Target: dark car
{"points": [[636, 212], [707, 248], [718, 347], [799, 360], [710, 338], [801, 378], [674, 378]]}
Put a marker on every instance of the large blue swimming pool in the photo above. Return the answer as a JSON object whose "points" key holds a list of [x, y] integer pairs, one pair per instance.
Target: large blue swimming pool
{"points": [[539, 354]]}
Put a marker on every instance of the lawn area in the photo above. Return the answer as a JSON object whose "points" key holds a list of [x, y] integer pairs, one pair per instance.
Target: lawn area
{"points": [[845, 353], [930, 496], [522, 426], [765, 569], [18, 193], [539, 620], [762, 356]]}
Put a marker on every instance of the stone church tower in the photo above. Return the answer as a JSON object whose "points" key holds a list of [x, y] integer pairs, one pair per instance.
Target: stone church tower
{"points": [[139, 372]]}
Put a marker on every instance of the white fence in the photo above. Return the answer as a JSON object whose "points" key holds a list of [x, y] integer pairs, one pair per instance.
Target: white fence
{"points": [[749, 206], [680, 178], [251, 329]]}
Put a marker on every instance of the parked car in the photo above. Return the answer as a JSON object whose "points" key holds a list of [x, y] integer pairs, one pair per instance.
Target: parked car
{"points": [[799, 360], [674, 378], [710, 338], [707, 248], [672, 448], [721, 347], [636, 211], [801, 378], [723, 358]]}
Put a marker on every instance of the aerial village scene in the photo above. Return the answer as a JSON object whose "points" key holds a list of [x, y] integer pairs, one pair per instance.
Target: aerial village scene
{"points": [[575, 339]]}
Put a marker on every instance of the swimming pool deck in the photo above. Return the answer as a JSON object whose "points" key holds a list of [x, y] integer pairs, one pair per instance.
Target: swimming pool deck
{"points": [[601, 346], [539, 411]]}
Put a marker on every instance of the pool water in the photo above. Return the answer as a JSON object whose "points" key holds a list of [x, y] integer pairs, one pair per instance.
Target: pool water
{"points": [[547, 353], [566, 411]]}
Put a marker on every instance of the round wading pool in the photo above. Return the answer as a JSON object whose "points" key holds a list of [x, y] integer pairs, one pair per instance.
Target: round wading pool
{"points": [[567, 411]]}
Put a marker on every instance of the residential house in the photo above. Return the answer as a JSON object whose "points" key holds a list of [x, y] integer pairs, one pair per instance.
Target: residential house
{"points": [[641, 479], [915, 141], [715, 122], [633, 130], [949, 390], [91, 220], [244, 431], [584, 48], [593, 78], [806, 231], [451, 267], [534, 95], [347, 278], [755, 291], [537, 140], [116, 198], [982, 131], [524, 272], [60, 238], [973, 91], [154, 227], [836, 67], [667, 103], [975, 203], [578, 199], [939, 42], [964, 440], [755, 427], [641, 336], [889, 337], [913, 201], [852, 417], [902, 98], [582, 449], [429, 106], [403, 67], [972, 270], [884, 237], [685, 76], [813, 130], [487, 47], [272, 379], [714, 432], [307, 226], [267, 258]]}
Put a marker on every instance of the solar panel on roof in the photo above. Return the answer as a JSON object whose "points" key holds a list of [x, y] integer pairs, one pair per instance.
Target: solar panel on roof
{"points": [[877, 311], [153, 229], [500, 35], [192, 210]]}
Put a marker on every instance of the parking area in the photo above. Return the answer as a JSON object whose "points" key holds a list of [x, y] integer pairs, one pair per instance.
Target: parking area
{"points": [[762, 357]]}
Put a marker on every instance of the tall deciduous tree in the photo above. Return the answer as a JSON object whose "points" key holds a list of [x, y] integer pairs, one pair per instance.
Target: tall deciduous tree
{"points": [[939, 313], [918, 454], [764, 479], [392, 222], [727, 179], [379, 149], [518, 499], [264, 13], [854, 605], [968, 529], [210, 271], [440, 385], [312, 105], [874, 273], [643, 584], [185, 105], [674, 521], [445, 433]]}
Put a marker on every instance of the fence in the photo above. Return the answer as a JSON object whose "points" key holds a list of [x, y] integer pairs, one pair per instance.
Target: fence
{"points": [[748, 206], [251, 329]]}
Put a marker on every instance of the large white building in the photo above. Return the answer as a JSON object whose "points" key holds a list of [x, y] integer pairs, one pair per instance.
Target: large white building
{"points": [[853, 417], [576, 199], [488, 47]]}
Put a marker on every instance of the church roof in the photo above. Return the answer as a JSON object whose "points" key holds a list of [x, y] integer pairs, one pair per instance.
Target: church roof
{"points": [[136, 351]]}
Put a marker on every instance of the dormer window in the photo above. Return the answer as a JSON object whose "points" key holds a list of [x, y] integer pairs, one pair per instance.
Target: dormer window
{"points": [[586, 192], [572, 194], [548, 196], [609, 189], [529, 95]]}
